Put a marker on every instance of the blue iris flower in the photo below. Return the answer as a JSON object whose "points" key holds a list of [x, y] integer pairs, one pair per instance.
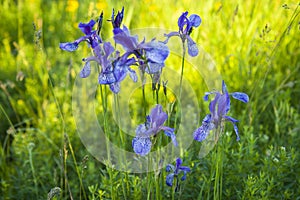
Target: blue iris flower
{"points": [[90, 36], [114, 67], [219, 108], [114, 70], [150, 55], [186, 26], [154, 124], [176, 170]]}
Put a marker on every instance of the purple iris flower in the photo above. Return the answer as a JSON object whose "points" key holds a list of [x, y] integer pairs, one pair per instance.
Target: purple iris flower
{"points": [[116, 21], [151, 55], [176, 170], [154, 124], [186, 26], [115, 68], [91, 37], [219, 108]]}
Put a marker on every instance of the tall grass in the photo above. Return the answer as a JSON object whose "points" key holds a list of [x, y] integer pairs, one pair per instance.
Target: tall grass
{"points": [[255, 46]]}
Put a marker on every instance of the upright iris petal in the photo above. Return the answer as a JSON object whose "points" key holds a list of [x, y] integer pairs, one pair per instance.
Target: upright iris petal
{"points": [[116, 21]]}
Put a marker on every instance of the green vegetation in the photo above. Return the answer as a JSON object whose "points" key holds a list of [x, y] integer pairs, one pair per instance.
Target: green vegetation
{"points": [[256, 49]]}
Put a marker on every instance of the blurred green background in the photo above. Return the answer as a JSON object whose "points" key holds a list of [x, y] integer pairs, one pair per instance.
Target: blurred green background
{"points": [[255, 45]]}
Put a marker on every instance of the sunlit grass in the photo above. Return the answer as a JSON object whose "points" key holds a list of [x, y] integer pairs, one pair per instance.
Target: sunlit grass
{"points": [[255, 48]]}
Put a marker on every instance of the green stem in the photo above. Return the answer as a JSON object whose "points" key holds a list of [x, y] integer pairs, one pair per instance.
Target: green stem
{"points": [[30, 147], [104, 106], [144, 99], [182, 68]]}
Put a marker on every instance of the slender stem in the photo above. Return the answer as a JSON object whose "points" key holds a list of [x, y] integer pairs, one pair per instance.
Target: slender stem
{"points": [[180, 84], [105, 127], [144, 98], [30, 147], [182, 68]]}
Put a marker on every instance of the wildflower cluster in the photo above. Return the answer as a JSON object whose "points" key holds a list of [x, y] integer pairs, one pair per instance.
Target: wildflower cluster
{"points": [[149, 57]]}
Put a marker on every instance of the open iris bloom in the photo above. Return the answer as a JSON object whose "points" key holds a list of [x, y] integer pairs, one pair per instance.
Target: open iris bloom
{"points": [[150, 55], [114, 67], [154, 124], [176, 170], [186, 26], [90, 36], [219, 108]]}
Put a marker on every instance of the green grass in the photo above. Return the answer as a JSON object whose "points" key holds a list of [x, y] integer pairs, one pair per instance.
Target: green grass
{"points": [[255, 46]]}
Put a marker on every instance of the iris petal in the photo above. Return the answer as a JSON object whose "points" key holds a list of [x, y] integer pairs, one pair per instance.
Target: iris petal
{"points": [[108, 48], [69, 46], [87, 28], [234, 121], [201, 133], [195, 20], [192, 47], [115, 87], [170, 167], [153, 67], [240, 96], [170, 133], [156, 51], [86, 70], [141, 145], [169, 179], [106, 78], [133, 75]]}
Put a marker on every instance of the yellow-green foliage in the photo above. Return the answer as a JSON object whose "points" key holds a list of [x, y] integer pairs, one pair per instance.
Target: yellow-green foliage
{"points": [[255, 46]]}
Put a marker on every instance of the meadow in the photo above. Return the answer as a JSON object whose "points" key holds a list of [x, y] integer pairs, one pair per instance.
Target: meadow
{"points": [[53, 147]]}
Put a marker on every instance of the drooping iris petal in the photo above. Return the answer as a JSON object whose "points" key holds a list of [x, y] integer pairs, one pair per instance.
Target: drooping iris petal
{"points": [[170, 133], [68, 46], [185, 170], [106, 77], [132, 75], [192, 47], [86, 70], [115, 87], [234, 121], [240, 96], [152, 68], [195, 20], [120, 72], [169, 179], [202, 132], [170, 167], [156, 52], [141, 145]]}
